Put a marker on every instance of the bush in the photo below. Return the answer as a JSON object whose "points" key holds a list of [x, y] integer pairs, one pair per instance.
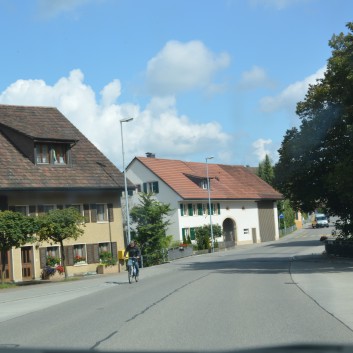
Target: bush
{"points": [[106, 258]]}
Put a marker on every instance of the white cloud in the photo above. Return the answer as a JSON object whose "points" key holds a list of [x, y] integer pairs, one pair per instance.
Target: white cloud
{"points": [[261, 148], [158, 128], [255, 78], [183, 66], [291, 95], [111, 92], [52, 8]]}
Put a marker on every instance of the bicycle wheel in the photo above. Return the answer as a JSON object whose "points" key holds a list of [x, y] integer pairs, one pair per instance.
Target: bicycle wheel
{"points": [[129, 273]]}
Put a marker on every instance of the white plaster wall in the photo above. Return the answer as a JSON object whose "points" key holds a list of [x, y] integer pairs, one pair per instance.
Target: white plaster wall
{"points": [[137, 173], [246, 218]]}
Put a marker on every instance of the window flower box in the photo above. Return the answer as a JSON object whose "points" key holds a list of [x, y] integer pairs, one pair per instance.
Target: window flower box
{"points": [[79, 260]]}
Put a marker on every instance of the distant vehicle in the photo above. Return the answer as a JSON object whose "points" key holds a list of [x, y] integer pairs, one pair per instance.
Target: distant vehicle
{"points": [[319, 220]]}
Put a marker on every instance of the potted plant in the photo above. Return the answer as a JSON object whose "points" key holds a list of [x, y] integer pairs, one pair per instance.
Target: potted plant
{"points": [[108, 263]]}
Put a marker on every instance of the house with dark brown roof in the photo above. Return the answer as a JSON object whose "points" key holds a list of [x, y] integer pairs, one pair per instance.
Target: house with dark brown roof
{"points": [[47, 163], [241, 203]]}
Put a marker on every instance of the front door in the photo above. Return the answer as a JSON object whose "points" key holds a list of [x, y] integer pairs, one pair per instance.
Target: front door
{"points": [[27, 262]]}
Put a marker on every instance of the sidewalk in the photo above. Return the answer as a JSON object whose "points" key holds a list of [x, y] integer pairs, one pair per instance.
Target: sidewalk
{"points": [[25, 299], [326, 280]]}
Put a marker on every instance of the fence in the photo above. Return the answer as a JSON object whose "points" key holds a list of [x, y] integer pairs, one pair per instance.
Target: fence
{"points": [[285, 231]]}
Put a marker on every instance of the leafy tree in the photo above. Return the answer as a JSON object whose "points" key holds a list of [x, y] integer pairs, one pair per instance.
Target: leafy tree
{"points": [[315, 167], [15, 231], [151, 226], [288, 219], [265, 170], [203, 235], [59, 225]]}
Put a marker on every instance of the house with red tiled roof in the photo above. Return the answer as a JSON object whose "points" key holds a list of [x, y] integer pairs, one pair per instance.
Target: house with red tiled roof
{"points": [[241, 203], [47, 163]]}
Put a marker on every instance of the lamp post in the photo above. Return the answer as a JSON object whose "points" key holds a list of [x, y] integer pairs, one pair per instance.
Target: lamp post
{"points": [[209, 202], [125, 183]]}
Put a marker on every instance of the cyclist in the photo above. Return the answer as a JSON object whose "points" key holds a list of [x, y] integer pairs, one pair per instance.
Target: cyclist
{"points": [[133, 251]]}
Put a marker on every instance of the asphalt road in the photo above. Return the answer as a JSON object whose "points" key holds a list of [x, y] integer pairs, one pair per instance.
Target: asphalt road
{"points": [[253, 296]]}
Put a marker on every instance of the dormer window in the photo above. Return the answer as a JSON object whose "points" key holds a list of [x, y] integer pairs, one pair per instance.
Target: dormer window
{"points": [[204, 184], [51, 153]]}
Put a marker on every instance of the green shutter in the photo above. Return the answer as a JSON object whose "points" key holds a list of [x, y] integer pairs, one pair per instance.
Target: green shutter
{"points": [[212, 208], [181, 209], [199, 209], [219, 208], [155, 187], [190, 212], [145, 188], [183, 233], [192, 233]]}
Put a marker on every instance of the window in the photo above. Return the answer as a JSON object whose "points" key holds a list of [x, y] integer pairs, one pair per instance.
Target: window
{"points": [[42, 154], [53, 251], [19, 209], [47, 208], [183, 209], [79, 254], [51, 154], [188, 232], [77, 207], [151, 187], [104, 247], [101, 213], [204, 184]]}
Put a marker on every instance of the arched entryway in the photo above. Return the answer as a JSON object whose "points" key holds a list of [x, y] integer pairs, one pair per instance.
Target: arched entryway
{"points": [[229, 232]]}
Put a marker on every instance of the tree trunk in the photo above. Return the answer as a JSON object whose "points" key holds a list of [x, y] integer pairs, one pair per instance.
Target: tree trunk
{"points": [[63, 258], [3, 265]]}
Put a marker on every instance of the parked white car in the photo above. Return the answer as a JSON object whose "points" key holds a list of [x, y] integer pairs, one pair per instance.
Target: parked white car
{"points": [[319, 220]]}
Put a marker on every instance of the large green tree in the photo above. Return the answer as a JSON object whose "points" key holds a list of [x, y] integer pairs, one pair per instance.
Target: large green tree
{"points": [[15, 231], [315, 167], [151, 223], [59, 225]]}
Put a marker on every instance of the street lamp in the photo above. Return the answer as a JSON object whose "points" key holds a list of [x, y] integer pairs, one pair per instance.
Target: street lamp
{"points": [[125, 183], [209, 203]]}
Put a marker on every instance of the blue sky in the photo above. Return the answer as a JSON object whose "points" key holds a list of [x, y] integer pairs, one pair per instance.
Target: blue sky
{"points": [[200, 77]]}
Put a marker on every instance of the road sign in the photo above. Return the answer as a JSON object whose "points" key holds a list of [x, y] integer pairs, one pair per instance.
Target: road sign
{"points": [[281, 216]]}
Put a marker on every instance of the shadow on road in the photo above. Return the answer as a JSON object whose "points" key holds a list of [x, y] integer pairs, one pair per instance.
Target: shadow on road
{"points": [[300, 243], [274, 265]]}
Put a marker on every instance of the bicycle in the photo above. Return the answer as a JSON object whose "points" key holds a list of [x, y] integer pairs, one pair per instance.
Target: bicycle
{"points": [[131, 269]]}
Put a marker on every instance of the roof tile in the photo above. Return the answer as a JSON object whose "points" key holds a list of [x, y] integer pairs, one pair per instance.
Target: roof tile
{"points": [[226, 181], [89, 168]]}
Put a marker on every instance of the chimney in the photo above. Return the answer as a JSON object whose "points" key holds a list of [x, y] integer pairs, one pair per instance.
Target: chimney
{"points": [[150, 155]]}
